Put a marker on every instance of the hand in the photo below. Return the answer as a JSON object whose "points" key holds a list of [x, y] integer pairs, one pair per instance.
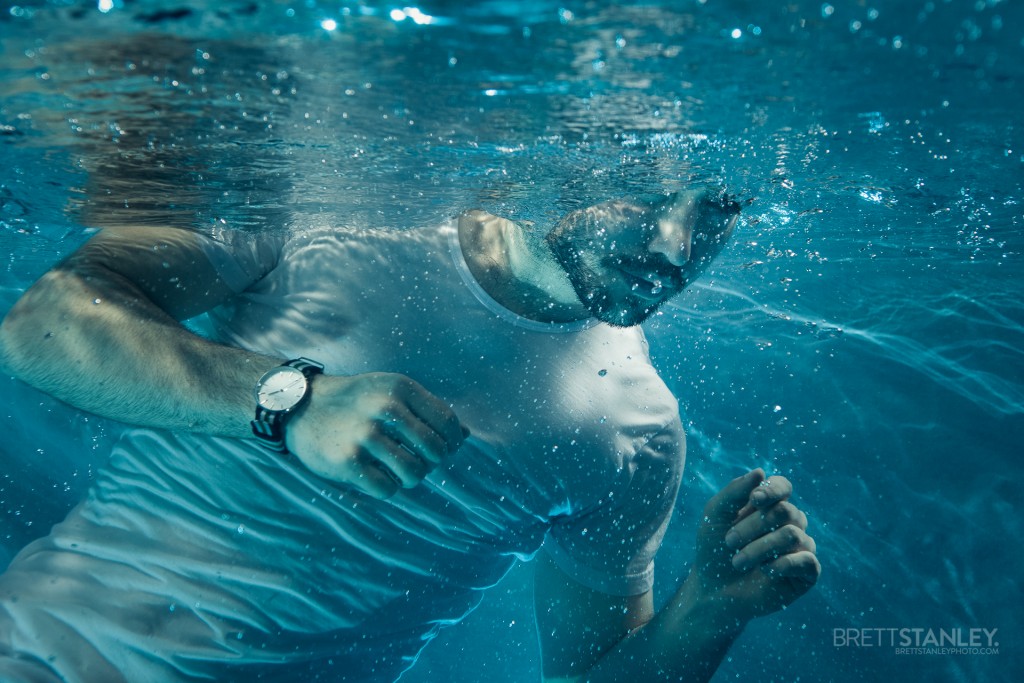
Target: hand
{"points": [[753, 553], [377, 431]]}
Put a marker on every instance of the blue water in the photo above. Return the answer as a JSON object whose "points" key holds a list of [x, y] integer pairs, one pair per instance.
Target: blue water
{"points": [[863, 333]]}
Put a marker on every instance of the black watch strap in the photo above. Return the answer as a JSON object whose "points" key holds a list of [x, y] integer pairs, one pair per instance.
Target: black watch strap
{"points": [[268, 425]]}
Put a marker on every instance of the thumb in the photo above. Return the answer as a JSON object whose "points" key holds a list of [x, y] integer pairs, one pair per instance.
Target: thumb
{"points": [[727, 503]]}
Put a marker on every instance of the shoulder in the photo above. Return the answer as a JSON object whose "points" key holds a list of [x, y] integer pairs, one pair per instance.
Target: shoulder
{"points": [[333, 261], [368, 241]]}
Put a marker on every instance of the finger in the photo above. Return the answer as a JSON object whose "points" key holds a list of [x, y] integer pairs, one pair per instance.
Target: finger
{"points": [[409, 431], [434, 413], [724, 505], [407, 468], [370, 477], [786, 539], [802, 566], [754, 526], [774, 489], [770, 491]]}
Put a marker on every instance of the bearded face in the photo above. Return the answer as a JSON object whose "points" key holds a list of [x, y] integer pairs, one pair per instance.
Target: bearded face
{"points": [[626, 258]]}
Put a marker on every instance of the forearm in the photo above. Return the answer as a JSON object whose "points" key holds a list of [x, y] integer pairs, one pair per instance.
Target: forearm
{"points": [[92, 339], [685, 641], [753, 558]]}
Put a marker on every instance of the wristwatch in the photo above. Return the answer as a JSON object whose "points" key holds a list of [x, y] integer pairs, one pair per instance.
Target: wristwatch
{"points": [[279, 393]]}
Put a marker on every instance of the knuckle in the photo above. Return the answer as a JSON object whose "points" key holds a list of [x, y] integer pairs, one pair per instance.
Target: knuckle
{"points": [[435, 444], [385, 408], [792, 536], [375, 431], [810, 546], [451, 444], [401, 385], [412, 469], [363, 431], [390, 407], [776, 516], [789, 513], [424, 466]]}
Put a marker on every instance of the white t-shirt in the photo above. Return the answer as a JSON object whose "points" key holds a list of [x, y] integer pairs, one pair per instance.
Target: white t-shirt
{"points": [[192, 553]]}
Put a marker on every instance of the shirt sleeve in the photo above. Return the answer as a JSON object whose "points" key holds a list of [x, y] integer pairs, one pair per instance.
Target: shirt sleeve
{"points": [[242, 258], [611, 547]]}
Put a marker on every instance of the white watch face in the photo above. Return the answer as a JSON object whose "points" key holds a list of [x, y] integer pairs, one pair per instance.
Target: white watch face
{"points": [[281, 389]]}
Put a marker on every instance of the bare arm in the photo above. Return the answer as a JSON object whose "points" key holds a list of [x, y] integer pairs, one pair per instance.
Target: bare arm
{"points": [[577, 624], [101, 332], [590, 636], [766, 564]]}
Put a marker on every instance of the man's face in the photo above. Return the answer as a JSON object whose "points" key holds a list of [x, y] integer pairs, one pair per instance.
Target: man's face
{"points": [[625, 259]]}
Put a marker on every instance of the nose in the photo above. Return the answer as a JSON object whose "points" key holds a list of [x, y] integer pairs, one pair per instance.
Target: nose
{"points": [[673, 239]]}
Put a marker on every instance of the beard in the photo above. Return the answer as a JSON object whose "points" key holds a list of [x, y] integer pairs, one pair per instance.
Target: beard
{"points": [[605, 290], [615, 259]]}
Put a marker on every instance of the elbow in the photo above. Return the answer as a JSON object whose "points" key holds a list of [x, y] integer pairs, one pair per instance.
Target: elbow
{"points": [[32, 322], [6, 332], [12, 346]]}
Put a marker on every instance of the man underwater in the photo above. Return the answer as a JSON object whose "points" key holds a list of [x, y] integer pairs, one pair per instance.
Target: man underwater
{"points": [[457, 397]]}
